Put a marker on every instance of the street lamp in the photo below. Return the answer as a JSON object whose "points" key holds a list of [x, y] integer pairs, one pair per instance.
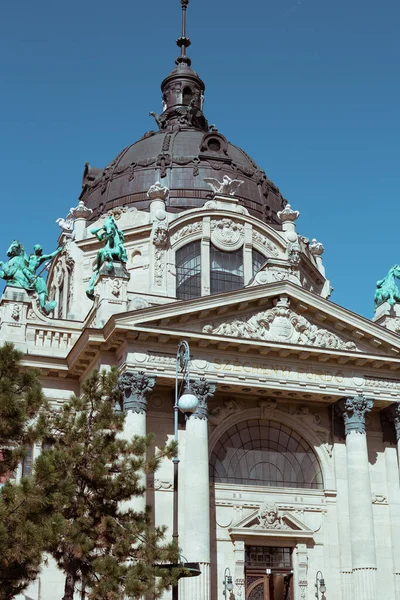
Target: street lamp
{"points": [[228, 585], [187, 403], [320, 585]]}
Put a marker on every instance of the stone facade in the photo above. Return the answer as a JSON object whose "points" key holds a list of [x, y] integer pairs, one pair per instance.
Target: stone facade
{"points": [[286, 468], [271, 352]]}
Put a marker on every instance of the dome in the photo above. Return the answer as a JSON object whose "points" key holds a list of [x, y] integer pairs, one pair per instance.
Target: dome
{"points": [[181, 160], [181, 154]]}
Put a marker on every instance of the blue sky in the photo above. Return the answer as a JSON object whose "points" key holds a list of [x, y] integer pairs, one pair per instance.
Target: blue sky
{"points": [[309, 88]]}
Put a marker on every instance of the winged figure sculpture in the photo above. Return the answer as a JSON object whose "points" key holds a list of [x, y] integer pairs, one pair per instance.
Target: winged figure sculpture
{"points": [[227, 187]]}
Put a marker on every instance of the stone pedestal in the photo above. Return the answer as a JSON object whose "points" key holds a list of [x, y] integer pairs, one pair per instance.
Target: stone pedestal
{"points": [[196, 509], [112, 290], [14, 306], [135, 387], [388, 316], [362, 531]]}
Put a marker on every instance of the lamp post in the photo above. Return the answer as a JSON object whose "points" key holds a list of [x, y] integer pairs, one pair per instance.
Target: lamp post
{"points": [[187, 403], [320, 585], [228, 585]]}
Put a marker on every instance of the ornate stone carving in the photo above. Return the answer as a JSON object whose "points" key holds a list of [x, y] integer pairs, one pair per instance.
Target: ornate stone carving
{"points": [[227, 234], [267, 408], [81, 211], [190, 229], [227, 187], [116, 287], [263, 241], [16, 312], [117, 212], [158, 192], [316, 248], [288, 214], [294, 252], [354, 411], [219, 413], [280, 324], [203, 390], [134, 387], [160, 235], [269, 518], [66, 225]]}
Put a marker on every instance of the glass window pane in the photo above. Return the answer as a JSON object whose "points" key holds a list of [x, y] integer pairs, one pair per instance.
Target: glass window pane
{"points": [[258, 261], [265, 453], [226, 270], [188, 271]]}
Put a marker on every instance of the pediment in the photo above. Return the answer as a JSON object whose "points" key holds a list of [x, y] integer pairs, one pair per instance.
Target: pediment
{"points": [[274, 314], [270, 520]]}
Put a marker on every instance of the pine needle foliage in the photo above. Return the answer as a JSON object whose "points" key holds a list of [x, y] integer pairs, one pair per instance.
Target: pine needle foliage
{"points": [[27, 522], [27, 525], [106, 547], [21, 398]]}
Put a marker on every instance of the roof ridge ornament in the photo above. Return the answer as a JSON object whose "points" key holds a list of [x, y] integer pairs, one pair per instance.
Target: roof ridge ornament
{"points": [[183, 42]]}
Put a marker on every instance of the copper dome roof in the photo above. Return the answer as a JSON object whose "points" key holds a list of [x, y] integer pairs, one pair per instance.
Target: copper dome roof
{"points": [[183, 152], [181, 160]]}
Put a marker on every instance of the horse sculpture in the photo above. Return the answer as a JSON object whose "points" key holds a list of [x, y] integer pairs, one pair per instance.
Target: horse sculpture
{"points": [[113, 240], [20, 272], [386, 289]]}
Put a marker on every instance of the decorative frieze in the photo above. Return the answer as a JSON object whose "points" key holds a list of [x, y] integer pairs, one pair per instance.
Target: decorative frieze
{"points": [[187, 230], [135, 387]]}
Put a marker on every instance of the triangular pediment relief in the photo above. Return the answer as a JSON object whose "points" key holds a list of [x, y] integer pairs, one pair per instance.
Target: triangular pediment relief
{"points": [[273, 314], [280, 324], [270, 520]]}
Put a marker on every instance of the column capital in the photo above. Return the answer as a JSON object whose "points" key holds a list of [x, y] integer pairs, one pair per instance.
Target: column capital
{"points": [[204, 390], [134, 387], [392, 414], [354, 410]]}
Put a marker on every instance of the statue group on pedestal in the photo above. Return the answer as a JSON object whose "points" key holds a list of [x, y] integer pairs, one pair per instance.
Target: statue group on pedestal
{"points": [[20, 272], [386, 288], [114, 249]]}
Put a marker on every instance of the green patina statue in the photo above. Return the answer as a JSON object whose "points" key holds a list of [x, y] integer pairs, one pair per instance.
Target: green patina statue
{"points": [[113, 250], [20, 272], [386, 289]]}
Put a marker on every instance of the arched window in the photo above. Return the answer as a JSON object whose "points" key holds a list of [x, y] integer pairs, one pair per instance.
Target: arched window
{"points": [[258, 260], [188, 271], [226, 270], [265, 453], [187, 96]]}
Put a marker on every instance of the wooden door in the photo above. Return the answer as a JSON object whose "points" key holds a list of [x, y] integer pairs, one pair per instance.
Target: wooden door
{"points": [[257, 587]]}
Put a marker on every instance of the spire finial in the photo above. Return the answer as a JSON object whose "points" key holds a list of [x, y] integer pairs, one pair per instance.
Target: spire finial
{"points": [[183, 42]]}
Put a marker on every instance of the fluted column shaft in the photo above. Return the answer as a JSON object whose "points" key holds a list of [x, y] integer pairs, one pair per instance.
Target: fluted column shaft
{"points": [[360, 499], [134, 387], [196, 537]]}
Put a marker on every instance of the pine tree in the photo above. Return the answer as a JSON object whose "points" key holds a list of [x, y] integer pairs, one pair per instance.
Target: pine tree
{"points": [[20, 400], [105, 547], [26, 520]]}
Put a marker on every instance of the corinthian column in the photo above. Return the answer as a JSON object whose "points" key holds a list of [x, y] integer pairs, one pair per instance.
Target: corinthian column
{"points": [[392, 413], [362, 531], [135, 387], [196, 510]]}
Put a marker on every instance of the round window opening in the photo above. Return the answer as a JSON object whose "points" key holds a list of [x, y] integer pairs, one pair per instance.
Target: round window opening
{"points": [[214, 145]]}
